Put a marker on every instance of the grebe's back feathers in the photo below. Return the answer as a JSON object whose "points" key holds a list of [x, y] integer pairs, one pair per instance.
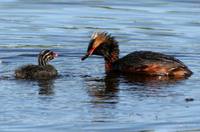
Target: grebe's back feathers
{"points": [[144, 59], [36, 72]]}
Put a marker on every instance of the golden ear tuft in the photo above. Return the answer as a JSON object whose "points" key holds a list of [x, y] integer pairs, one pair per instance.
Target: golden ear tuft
{"points": [[94, 35], [100, 34]]}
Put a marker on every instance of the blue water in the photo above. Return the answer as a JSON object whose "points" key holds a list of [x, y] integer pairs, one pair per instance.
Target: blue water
{"points": [[83, 97]]}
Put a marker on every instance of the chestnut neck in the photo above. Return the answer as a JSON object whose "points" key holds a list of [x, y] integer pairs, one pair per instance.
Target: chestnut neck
{"points": [[113, 55]]}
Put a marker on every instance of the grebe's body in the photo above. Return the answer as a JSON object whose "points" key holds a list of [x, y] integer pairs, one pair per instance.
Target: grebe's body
{"points": [[138, 62], [151, 63], [40, 71]]}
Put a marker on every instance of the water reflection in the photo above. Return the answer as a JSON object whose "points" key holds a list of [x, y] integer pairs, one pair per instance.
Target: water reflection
{"points": [[142, 87], [46, 87], [104, 97], [103, 89], [149, 81], [107, 92]]}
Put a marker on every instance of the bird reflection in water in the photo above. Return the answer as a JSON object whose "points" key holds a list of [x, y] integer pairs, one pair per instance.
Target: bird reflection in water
{"points": [[149, 81], [142, 87], [103, 90], [46, 87]]}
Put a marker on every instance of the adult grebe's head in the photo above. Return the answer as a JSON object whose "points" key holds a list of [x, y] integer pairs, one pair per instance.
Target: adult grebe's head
{"points": [[102, 44], [45, 56]]}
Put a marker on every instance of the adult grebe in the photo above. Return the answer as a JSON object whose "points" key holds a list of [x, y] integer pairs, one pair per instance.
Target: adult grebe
{"points": [[138, 62]]}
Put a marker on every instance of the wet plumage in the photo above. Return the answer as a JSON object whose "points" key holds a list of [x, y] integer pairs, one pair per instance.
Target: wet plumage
{"points": [[151, 63], [41, 71]]}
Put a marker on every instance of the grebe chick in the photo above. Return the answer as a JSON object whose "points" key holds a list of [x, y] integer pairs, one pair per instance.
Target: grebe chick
{"points": [[138, 62], [41, 71]]}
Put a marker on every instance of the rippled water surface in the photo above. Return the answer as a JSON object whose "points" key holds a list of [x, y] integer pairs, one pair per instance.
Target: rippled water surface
{"points": [[83, 97]]}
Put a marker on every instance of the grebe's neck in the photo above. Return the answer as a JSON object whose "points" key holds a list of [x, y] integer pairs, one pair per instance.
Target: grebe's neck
{"points": [[111, 56], [45, 56], [41, 61]]}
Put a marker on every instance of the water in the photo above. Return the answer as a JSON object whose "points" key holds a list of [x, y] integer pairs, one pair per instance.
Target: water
{"points": [[83, 97]]}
